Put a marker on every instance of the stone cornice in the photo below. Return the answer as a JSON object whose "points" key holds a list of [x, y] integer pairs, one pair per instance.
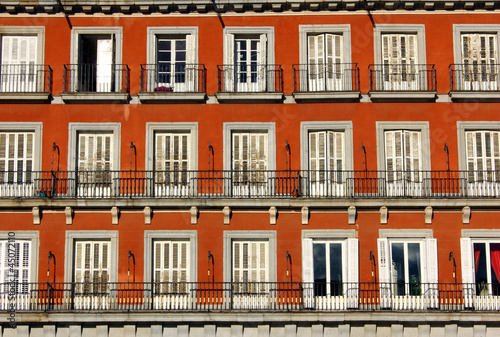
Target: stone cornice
{"points": [[227, 6]]}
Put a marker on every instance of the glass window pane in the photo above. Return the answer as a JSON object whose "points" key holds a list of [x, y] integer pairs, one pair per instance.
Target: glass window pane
{"points": [[319, 262], [414, 268], [336, 269], [398, 267]]}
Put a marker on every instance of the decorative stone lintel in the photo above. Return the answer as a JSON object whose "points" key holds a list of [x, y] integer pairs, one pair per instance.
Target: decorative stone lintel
{"points": [[115, 212], [428, 215], [273, 214], [227, 215], [305, 215], [351, 211], [36, 215], [68, 211], [194, 215], [148, 212], [466, 215], [384, 212]]}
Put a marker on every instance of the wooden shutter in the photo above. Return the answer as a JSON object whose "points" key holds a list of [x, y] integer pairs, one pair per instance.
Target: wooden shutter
{"points": [[308, 272], [16, 154], [21, 265], [250, 261], [171, 261], [333, 53], [172, 155], [95, 152], [229, 68], [479, 49], [352, 273], [326, 150], [401, 144], [105, 60], [92, 260], [431, 276], [250, 151], [412, 151], [191, 66], [467, 264], [384, 276], [394, 154], [264, 68], [316, 61], [399, 49], [483, 154], [18, 60]]}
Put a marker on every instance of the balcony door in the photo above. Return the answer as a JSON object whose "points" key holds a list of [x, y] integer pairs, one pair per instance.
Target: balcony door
{"points": [[483, 163], [326, 163], [403, 160], [176, 70], [250, 277], [96, 63], [18, 70], [399, 57], [250, 163], [15, 275], [94, 163], [16, 163], [92, 262], [324, 54], [480, 62]]}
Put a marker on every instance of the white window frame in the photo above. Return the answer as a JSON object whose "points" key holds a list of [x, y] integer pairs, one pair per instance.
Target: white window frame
{"points": [[429, 297], [350, 269], [475, 188], [76, 128], [471, 298], [268, 31], [99, 235], [418, 29], [153, 33], [77, 31], [38, 31]]}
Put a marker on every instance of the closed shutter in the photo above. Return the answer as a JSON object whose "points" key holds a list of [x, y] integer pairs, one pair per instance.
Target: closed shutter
{"points": [[324, 60], [20, 262], [327, 152], [394, 155], [403, 152], [172, 157], [399, 49], [18, 63], [384, 276], [467, 272], [250, 154], [95, 152], [250, 261], [483, 155], [431, 276], [479, 49], [16, 156], [352, 273], [171, 261], [92, 261]]}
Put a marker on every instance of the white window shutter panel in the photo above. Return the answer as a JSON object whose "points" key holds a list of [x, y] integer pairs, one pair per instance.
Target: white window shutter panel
{"points": [[384, 265], [264, 68], [467, 263], [432, 287], [352, 273], [191, 67], [229, 68], [308, 273]]}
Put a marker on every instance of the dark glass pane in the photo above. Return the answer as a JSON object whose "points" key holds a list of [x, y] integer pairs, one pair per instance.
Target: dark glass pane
{"points": [[398, 268], [480, 268], [319, 263], [336, 269], [414, 268]]}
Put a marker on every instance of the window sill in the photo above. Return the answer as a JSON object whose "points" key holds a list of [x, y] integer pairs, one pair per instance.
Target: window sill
{"points": [[475, 96], [172, 97], [95, 97], [326, 96], [24, 97], [249, 97], [402, 96]]}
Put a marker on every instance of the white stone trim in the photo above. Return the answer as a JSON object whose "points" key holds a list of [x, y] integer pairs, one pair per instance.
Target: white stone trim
{"points": [[415, 234]]}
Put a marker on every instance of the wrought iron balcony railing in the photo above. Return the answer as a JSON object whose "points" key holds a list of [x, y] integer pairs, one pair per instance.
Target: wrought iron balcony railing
{"points": [[402, 77], [96, 78], [325, 77], [250, 77], [250, 184], [173, 77], [248, 296], [26, 78], [474, 77]]}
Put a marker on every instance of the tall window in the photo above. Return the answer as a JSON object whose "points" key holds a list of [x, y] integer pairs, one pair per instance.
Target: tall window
{"points": [[175, 59], [487, 267], [16, 156], [92, 263], [171, 268], [399, 57], [172, 153], [96, 59], [483, 156], [19, 55], [403, 161], [406, 275], [15, 263], [480, 61], [250, 262], [324, 54], [250, 162], [326, 162]]}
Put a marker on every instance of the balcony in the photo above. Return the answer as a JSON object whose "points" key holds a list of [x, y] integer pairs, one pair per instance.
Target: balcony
{"points": [[250, 184], [326, 82], [478, 82], [247, 296], [402, 82], [177, 83], [96, 83], [25, 83], [250, 82]]}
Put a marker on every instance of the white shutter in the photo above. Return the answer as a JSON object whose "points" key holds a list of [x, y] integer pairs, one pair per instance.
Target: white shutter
{"points": [[250, 261], [352, 273], [479, 48], [16, 154], [308, 273], [229, 68], [95, 152], [264, 68], [92, 262], [171, 261], [483, 154], [431, 276], [21, 264], [104, 65], [467, 263], [384, 277], [412, 151], [18, 60], [172, 155], [394, 154], [250, 151], [191, 66]]}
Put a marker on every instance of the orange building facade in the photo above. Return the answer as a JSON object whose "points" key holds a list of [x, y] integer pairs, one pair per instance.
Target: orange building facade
{"points": [[240, 169]]}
